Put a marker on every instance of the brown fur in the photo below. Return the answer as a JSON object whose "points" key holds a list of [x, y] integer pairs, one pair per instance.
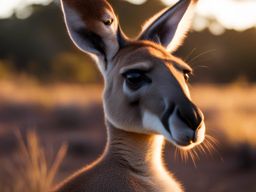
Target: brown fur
{"points": [[122, 163], [133, 159], [86, 9], [127, 158]]}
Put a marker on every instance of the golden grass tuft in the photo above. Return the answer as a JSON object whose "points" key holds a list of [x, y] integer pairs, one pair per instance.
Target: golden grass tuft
{"points": [[33, 172]]}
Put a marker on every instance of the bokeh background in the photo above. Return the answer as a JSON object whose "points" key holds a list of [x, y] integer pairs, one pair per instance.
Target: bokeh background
{"points": [[48, 86]]}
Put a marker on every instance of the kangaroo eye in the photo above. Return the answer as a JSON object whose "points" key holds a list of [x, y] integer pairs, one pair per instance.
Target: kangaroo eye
{"points": [[136, 79], [108, 22], [187, 75]]}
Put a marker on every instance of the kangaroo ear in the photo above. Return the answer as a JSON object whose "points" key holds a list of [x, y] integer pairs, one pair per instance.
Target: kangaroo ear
{"points": [[93, 27], [170, 26]]}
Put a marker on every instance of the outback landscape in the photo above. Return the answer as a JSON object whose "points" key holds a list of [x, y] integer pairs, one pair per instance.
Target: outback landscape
{"points": [[51, 116], [69, 124]]}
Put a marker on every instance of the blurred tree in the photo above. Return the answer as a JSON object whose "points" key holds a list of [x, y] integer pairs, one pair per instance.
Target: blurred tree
{"points": [[40, 47], [221, 59], [70, 67]]}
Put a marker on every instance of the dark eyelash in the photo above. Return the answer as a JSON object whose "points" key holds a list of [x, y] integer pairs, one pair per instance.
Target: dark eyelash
{"points": [[187, 71], [134, 71]]}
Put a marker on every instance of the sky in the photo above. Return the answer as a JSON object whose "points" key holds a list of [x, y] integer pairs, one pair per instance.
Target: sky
{"points": [[217, 15]]}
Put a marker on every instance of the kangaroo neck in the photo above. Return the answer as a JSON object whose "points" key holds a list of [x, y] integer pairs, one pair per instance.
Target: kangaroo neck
{"points": [[140, 153]]}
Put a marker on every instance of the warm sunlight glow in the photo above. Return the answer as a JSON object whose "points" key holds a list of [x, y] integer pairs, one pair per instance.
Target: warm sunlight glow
{"points": [[231, 14], [19, 7], [137, 2], [169, 2], [217, 15]]}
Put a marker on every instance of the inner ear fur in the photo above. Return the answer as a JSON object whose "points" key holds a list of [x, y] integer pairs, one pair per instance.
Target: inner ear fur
{"points": [[93, 27], [169, 27]]}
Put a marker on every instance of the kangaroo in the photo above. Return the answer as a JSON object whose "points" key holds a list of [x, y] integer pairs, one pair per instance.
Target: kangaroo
{"points": [[146, 99]]}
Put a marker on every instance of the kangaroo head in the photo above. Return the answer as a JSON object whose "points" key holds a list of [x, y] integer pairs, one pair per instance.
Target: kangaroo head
{"points": [[145, 85]]}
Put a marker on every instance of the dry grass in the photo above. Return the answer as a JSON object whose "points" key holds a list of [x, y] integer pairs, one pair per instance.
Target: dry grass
{"points": [[32, 172], [233, 108], [48, 95], [229, 109]]}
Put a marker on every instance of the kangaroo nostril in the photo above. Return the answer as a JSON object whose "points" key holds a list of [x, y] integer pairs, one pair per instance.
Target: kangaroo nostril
{"points": [[184, 118], [192, 116]]}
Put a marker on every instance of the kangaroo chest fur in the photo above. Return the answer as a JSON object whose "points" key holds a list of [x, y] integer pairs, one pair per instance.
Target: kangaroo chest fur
{"points": [[130, 163]]}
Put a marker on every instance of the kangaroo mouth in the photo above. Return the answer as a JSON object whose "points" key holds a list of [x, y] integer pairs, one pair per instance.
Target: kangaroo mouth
{"points": [[173, 128], [180, 133]]}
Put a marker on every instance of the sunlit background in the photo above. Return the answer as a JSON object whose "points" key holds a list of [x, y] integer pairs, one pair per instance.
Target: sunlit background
{"points": [[47, 85], [214, 14]]}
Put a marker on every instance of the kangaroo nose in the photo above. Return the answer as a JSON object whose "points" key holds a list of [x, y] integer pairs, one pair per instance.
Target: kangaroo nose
{"points": [[191, 115]]}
